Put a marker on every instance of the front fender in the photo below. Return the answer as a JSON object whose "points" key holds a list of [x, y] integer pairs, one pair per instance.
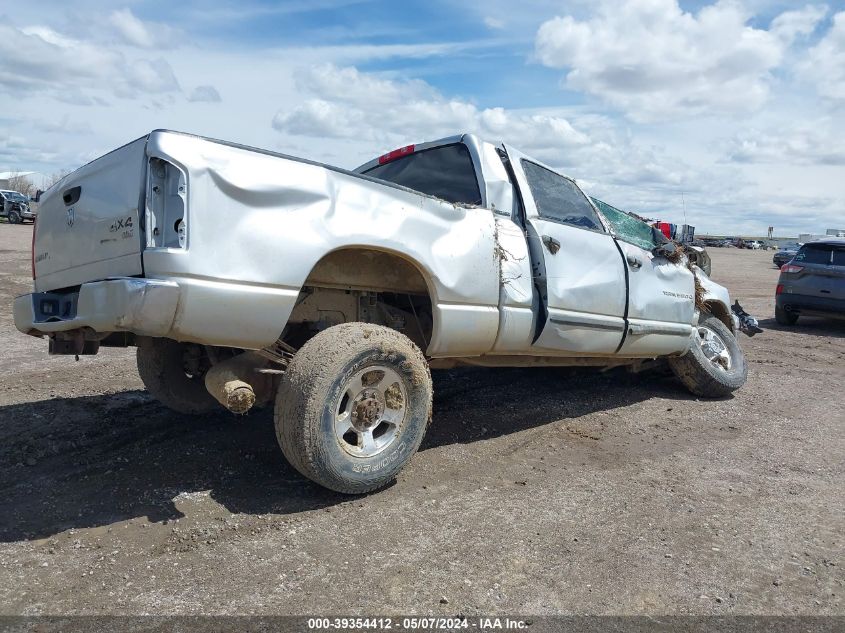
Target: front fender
{"points": [[716, 299]]}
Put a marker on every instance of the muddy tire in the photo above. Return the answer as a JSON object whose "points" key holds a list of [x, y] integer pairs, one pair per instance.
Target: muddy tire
{"points": [[784, 317], [714, 366], [163, 370], [353, 407]]}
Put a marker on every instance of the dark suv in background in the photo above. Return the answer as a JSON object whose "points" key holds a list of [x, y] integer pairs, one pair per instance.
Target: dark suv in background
{"points": [[813, 282], [785, 254]]}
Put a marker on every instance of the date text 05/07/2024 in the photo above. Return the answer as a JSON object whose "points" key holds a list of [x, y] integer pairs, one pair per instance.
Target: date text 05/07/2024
{"points": [[417, 623]]}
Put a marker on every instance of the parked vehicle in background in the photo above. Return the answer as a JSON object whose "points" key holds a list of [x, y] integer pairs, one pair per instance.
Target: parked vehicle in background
{"points": [[754, 245], [15, 207], [785, 254], [245, 277], [813, 283]]}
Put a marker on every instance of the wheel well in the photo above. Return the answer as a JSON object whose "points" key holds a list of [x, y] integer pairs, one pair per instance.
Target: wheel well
{"points": [[718, 310], [368, 269], [367, 285]]}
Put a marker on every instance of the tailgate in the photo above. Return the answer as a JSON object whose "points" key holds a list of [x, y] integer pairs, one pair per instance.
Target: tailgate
{"points": [[87, 225]]}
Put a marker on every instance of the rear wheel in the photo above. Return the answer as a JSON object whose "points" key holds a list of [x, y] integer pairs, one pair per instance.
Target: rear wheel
{"points": [[714, 366], [784, 317], [174, 373], [353, 406]]}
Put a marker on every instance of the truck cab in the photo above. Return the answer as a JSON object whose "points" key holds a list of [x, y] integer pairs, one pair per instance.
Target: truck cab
{"points": [[580, 279]]}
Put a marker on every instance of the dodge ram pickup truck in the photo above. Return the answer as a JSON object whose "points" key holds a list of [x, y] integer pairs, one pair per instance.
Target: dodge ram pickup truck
{"points": [[245, 277]]}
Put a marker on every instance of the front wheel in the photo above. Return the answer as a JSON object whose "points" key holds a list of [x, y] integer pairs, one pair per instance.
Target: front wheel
{"points": [[714, 366], [14, 217], [353, 407]]}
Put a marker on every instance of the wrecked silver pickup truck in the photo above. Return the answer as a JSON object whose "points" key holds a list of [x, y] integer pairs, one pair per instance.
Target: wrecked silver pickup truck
{"points": [[245, 277]]}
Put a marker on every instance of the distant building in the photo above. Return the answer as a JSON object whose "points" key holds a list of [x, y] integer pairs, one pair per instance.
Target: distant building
{"points": [[808, 237], [836, 232], [35, 177]]}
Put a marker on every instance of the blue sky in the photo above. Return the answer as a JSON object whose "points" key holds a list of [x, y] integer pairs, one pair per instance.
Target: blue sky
{"points": [[736, 105]]}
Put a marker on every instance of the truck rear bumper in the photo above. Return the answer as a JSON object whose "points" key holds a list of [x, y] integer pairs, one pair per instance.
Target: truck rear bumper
{"points": [[143, 306], [209, 312]]}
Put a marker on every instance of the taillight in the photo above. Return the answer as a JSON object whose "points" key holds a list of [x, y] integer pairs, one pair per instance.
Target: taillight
{"points": [[397, 153], [32, 249], [166, 206], [791, 268], [779, 289]]}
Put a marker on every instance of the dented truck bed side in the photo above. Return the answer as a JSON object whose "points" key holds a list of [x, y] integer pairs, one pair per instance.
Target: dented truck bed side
{"points": [[257, 224]]}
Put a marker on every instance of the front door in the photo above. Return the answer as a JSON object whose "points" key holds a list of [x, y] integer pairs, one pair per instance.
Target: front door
{"points": [[579, 272], [661, 304]]}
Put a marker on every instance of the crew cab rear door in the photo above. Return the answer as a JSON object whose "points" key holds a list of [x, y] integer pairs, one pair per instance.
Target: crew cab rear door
{"points": [[579, 272]]}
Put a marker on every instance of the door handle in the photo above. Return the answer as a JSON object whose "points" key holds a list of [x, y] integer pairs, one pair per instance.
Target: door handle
{"points": [[71, 196], [551, 243], [634, 261]]}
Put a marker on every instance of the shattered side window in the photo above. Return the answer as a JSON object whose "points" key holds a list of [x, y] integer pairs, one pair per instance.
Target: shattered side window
{"points": [[559, 199], [445, 172], [626, 227]]}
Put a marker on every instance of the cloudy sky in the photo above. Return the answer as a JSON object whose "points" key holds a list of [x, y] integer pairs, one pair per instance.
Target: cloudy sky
{"points": [[732, 110]]}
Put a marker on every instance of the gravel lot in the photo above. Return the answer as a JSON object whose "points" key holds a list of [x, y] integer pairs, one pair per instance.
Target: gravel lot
{"points": [[536, 491]]}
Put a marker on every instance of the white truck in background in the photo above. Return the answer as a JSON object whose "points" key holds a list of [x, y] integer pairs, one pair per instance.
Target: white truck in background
{"points": [[245, 276]]}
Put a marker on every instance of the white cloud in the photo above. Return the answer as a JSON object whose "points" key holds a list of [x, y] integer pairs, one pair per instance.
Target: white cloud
{"points": [[135, 32], [41, 60], [17, 152], [494, 23], [651, 59], [62, 125], [207, 94], [148, 76], [320, 118], [825, 62], [815, 143], [380, 113], [346, 103], [791, 25], [348, 85]]}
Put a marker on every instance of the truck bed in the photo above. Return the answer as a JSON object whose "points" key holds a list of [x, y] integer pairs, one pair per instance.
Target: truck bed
{"points": [[255, 224]]}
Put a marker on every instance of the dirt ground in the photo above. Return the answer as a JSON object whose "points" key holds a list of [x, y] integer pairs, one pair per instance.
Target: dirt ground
{"points": [[536, 491]]}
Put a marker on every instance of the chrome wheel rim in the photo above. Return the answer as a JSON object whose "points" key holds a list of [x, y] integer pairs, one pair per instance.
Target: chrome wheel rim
{"points": [[371, 411], [714, 348]]}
